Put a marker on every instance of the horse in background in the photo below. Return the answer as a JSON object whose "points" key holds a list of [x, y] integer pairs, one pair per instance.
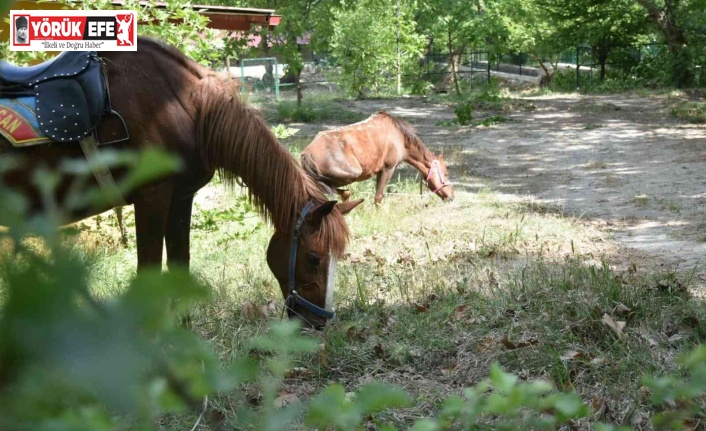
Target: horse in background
{"points": [[198, 116], [375, 146]]}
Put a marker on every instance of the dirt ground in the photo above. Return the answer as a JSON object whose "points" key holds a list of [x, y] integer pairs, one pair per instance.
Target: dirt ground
{"points": [[621, 162]]}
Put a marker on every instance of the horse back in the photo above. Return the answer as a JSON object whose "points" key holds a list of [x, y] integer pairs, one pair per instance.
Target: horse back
{"points": [[372, 146]]}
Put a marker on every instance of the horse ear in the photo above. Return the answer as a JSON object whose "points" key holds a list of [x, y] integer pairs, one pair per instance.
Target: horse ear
{"points": [[322, 211], [441, 156], [347, 206]]}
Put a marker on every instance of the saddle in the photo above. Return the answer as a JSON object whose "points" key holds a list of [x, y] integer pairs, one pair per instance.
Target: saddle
{"points": [[64, 98]]}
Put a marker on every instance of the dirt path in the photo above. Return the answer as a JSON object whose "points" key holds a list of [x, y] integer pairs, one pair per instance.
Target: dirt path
{"points": [[620, 161]]}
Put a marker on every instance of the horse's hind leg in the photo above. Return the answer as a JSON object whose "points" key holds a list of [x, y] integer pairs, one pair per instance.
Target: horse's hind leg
{"points": [[177, 234], [383, 178]]}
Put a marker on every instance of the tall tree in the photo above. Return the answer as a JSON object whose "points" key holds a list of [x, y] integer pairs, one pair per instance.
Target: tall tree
{"points": [[530, 30], [668, 16], [457, 25], [601, 24], [365, 41]]}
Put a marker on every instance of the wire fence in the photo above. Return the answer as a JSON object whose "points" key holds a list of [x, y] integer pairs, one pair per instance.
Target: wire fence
{"points": [[581, 67]]}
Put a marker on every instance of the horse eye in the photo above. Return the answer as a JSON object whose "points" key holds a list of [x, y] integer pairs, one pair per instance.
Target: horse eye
{"points": [[314, 259]]}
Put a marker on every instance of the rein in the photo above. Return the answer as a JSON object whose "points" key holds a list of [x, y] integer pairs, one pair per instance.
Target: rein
{"points": [[293, 297], [435, 167]]}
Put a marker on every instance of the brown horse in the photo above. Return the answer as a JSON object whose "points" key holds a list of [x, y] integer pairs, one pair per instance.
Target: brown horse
{"points": [[339, 157], [170, 102]]}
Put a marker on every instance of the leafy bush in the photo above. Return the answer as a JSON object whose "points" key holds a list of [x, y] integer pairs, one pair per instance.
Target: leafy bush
{"points": [[691, 112], [315, 110], [464, 113], [283, 132], [69, 360]]}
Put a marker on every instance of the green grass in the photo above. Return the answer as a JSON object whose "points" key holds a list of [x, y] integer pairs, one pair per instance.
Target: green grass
{"points": [[313, 110], [431, 293], [690, 112]]}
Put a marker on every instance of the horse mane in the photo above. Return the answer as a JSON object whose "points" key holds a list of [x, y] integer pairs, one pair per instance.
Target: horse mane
{"points": [[234, 139], [411, 139], [151, 43]]}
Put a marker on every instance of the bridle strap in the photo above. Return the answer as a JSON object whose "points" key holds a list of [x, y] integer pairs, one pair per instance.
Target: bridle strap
{"points": [[435, 167], [293, 296]]}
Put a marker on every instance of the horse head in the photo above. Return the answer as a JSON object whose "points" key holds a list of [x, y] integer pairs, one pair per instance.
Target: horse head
{"points": [[438, 179], [304, 261]]}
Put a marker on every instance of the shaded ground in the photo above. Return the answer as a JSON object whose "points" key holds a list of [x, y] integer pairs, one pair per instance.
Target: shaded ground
{"points": [[621, 162]]}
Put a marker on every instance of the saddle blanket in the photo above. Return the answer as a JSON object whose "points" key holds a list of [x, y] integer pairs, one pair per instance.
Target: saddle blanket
{"points": [[18, 122]]}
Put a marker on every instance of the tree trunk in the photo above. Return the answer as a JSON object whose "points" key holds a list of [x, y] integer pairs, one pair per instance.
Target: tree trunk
{"points": [[603, 52], [298, 85], [399, 56], [666, 21], [453, 57], [547, 78]]}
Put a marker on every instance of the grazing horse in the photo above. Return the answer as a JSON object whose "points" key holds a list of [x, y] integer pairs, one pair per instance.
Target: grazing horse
{"points": [[172, 103], [375, 146]]}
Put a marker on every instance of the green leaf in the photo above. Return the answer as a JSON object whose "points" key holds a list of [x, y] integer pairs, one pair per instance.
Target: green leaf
{"points": [[374, 397], [501, 380], [568, 406], [330, 408], [284, 337], [426, 425], [150, 165]]}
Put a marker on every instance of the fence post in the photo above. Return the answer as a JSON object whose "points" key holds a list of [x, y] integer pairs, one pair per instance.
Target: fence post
{"points": [[578, 82], [487, 55]]}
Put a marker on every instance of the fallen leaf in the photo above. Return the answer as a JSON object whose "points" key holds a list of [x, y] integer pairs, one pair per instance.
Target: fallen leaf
{"points": [[600, 407], [298, 372], [420, 308], [622, 309], [486, 343], [248, 310], [458, 313], [355, 258], [512, 346], [598, 361], [355, 334], [404, 257], [379, 350], [572, 354], [674, 338], [617, 327], [285, 398], [415, 352]]}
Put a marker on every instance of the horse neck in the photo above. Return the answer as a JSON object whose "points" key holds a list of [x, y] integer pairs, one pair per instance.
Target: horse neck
{"points": [[419, 156], [235, 140]]}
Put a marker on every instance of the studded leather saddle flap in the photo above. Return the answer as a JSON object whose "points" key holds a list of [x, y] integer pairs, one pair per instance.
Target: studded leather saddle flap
{"points": [[70, 93]]}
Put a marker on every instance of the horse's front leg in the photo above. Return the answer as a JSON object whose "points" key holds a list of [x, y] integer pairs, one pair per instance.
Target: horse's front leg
{"points": [[178, 228], [151, 211], [383, 178]]}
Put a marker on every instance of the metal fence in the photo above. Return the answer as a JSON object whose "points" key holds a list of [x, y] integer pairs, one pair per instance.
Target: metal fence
{"points": [[585, 61]]}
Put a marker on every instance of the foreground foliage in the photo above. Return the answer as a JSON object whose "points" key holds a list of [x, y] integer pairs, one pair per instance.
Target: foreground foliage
{"points": [[73, 358]]}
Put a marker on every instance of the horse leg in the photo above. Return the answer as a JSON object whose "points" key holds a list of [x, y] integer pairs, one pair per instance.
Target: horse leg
{"points": [[121, 225], [344, 194], [383, 178], [151, 211], [177, 235]]}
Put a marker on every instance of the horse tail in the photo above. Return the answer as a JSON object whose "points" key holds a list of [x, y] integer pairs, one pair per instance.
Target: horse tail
{"points": [[315, 174]]}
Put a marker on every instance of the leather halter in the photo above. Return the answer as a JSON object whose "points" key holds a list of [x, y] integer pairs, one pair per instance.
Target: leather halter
{"points": [[293, 297], [436, 167]]}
